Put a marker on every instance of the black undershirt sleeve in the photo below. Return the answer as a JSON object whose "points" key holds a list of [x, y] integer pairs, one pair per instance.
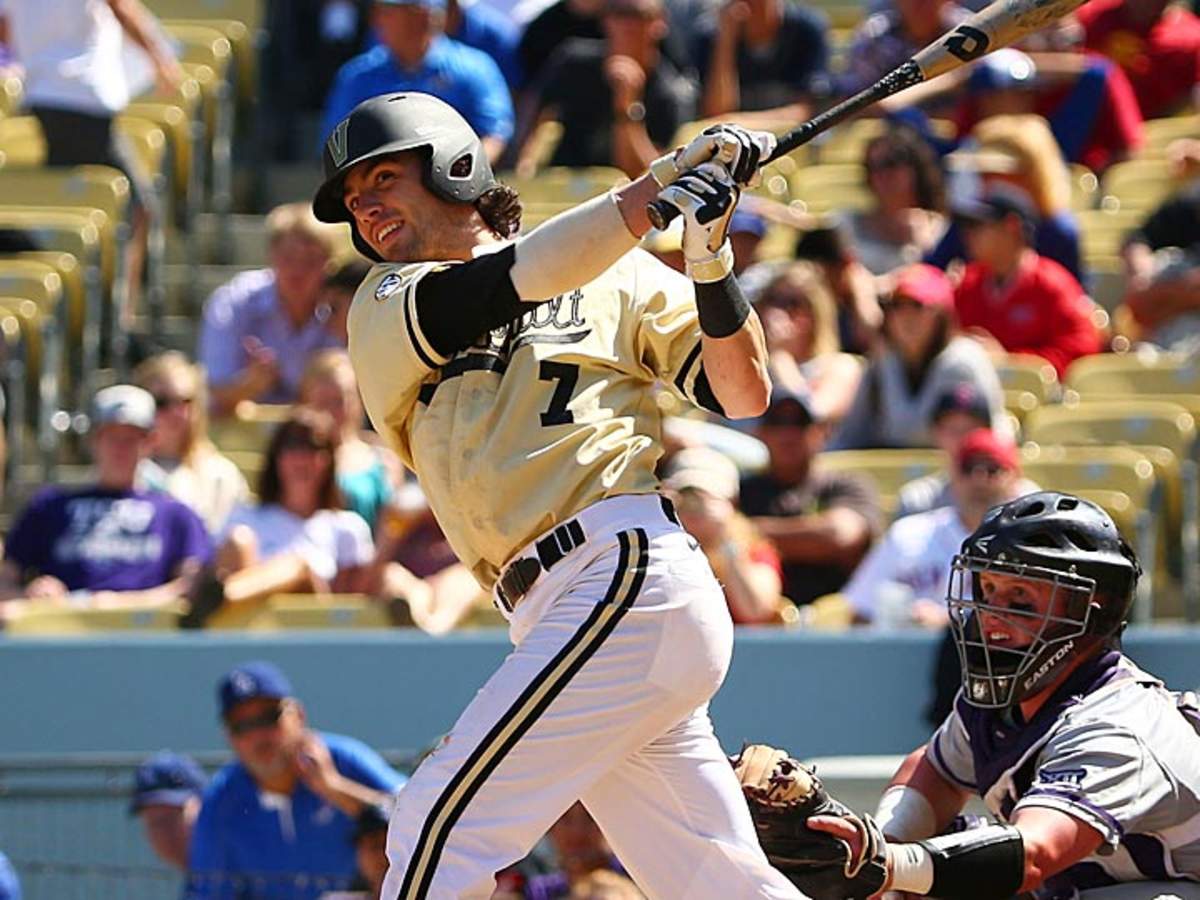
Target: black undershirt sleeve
{"points": [[460, 303]]}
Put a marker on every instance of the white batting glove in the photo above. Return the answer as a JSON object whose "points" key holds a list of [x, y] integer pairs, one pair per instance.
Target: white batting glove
{"points": [[706, 197], [738, 149]]}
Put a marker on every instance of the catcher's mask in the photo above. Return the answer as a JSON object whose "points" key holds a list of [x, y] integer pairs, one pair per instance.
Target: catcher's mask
{"points": [[1044, 580]]}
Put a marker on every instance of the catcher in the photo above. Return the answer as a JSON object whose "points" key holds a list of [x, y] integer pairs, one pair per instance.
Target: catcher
{"points": [[1090, 766]]}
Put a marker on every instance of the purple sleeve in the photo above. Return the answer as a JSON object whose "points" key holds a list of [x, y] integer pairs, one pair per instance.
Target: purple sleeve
{"points": [[192, 538]]}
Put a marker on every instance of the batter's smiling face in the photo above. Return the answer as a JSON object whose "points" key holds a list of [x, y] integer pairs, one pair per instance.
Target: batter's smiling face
{"points": [[398, 216]]}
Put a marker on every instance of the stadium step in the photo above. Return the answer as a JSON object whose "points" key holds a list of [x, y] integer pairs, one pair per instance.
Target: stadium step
{"points": [[188, 286], [247, 240]]}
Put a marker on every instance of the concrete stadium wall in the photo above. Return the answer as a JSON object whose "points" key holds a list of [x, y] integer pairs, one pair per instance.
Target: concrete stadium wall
{"points": [[857, 693]]}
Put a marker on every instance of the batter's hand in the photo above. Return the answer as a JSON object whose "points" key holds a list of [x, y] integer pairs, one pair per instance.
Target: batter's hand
{"points": [[706, 197], [738, 150]]}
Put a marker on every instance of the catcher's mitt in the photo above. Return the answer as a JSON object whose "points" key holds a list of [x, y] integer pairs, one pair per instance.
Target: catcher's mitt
{"points": [[783, 794]]}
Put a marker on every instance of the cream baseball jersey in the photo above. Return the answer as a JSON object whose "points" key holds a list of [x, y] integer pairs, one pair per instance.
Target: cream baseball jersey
{"points": [[538, 419]]}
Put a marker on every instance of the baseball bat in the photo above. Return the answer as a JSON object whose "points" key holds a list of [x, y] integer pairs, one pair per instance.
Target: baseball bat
{"points": [[997, 25]]}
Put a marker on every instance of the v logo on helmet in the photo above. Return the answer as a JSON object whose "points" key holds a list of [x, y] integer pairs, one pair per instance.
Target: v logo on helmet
{"points": [[337, 143]]}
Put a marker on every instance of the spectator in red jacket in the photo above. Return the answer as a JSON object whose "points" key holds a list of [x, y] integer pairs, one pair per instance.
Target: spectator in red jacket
{"points": [[1011, 299], [1157, 45]]}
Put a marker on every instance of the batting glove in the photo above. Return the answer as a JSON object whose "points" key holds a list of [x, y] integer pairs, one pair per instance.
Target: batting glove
{"points": [[706, 197], [738, 149]]}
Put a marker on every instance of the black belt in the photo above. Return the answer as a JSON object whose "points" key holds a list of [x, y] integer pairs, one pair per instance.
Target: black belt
{"points": [[520, 574]]}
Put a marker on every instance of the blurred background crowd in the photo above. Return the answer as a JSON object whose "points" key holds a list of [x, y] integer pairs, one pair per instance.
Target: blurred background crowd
{"points": [[990, 284]]}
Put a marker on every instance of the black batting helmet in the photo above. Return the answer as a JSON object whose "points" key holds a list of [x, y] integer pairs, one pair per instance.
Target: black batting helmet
{"points": [[456, 166], [1065, 541]]}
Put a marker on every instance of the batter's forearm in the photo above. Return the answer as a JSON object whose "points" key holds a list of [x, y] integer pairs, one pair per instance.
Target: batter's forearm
{"points": [[736, 367]]}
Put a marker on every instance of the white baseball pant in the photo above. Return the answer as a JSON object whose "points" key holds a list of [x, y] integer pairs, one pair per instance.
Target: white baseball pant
{"points": [[618, 649]]}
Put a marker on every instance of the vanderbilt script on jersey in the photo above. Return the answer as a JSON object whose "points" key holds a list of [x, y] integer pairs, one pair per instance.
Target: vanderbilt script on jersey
{"points": [[538, 419]]}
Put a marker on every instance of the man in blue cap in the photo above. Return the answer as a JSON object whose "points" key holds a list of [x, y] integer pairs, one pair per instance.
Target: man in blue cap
{"points": [[414, 54], [282, 817], [166, 797]]}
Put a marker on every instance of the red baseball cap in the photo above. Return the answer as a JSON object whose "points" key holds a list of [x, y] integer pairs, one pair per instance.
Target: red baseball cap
{"points": [[983, 443], [926, 284]]}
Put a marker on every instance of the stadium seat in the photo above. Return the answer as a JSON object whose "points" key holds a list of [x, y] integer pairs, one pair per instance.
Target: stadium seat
{"points": [[888, 469], [1085, 187], [249, 463], [33, 293], [328, 611], [240, 21], [1026, 372], [1161, 132], [1097, 471], [183, 145], [16, 368], [75, 294], [1020, 403], [90, 187], [38, 619], [1142, 424], [1102, 231], [11, 90], [70, 232], [1137, 184], [1144, 372], [828, 187]]}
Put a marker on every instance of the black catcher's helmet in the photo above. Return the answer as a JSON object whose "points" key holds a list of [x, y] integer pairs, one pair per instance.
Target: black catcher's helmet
{"points": [[1056, 539], [456, 166]]}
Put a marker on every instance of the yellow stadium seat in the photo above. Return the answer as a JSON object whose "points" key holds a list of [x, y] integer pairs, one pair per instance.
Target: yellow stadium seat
{"points": [[1085, 187], [1020, 403], [249, 463], [36, 619], [328, 611], [185, 174], [1120, 479], [1102, 231], [1138, 184], [75, 293], [831, 187], [1161, 132], [21, 141], [1026, 372], [1134, 373], [888, 469], [1143, 424], [16, 369], [92, 187], [37, 302]]}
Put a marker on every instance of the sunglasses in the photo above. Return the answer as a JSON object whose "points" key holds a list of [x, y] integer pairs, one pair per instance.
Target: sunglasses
{"points": [[887, 162], [162, 402], [900, 303], [972, 466], [268, 719]]}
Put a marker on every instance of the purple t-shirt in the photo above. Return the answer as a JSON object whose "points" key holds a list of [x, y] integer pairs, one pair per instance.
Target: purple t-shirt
{"points": [[106, 540]]}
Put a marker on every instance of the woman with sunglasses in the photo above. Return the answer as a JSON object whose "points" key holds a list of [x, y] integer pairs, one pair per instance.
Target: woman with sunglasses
{"points": [[297, 538], [799, 318], [183, 461], [921, 358], [906, 219]]}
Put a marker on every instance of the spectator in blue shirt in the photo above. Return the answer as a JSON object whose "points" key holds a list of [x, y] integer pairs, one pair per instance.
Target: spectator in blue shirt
{"points": [[280, 821], [260, 328], [10, 888], [166, 798], [415, 55], [480, 25]]}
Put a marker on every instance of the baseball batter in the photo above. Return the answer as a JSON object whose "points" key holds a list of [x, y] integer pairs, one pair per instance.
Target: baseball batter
{"points": [[514, 378], [1093, 766]]}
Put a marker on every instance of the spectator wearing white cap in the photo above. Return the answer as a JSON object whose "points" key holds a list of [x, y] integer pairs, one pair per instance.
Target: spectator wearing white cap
{"points": [[106, 544], [703, 484]]}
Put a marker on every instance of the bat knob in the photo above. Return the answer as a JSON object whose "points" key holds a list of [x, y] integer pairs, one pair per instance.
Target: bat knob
{"points": [[661, 213]]}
